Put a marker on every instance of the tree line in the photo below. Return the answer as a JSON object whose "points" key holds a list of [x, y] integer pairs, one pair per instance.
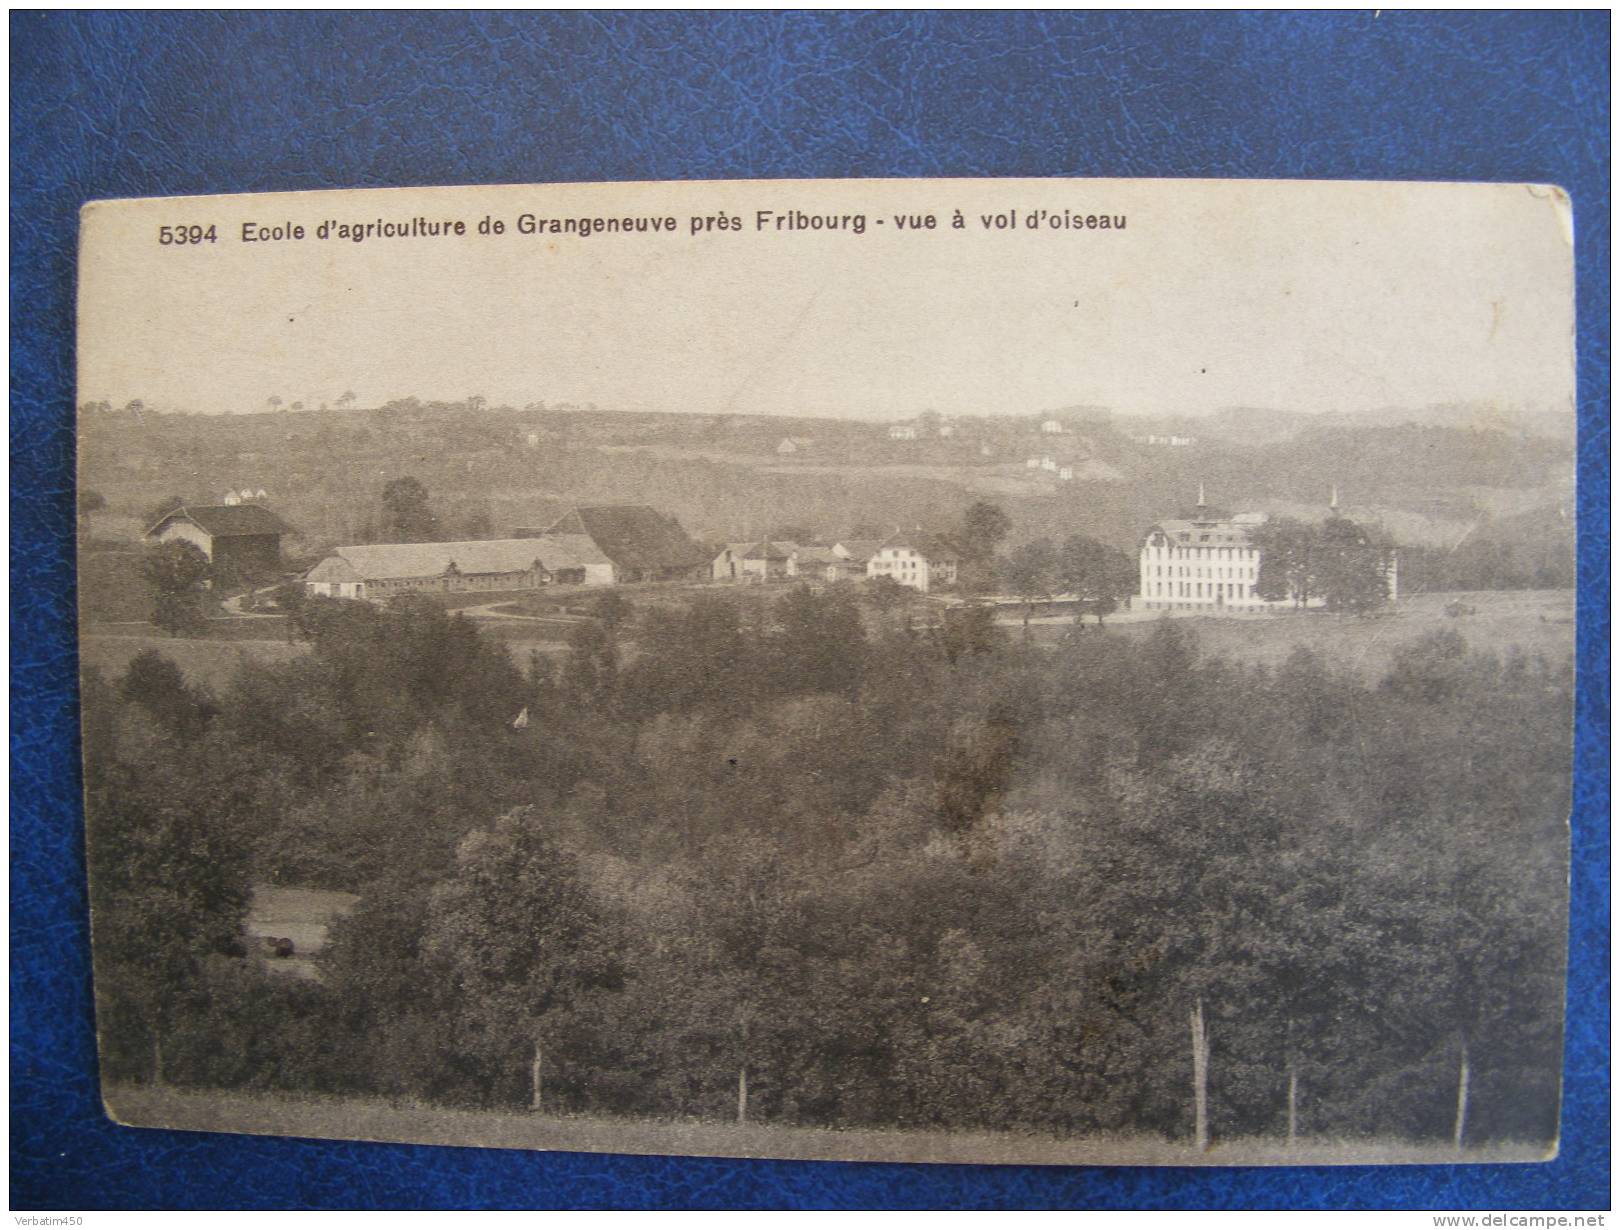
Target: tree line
{"points": [[797, 859]]}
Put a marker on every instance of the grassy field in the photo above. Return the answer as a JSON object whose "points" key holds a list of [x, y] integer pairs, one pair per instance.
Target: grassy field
{"points": [[375, 1119], [211, 663], [1537, 621], [302, 915]]}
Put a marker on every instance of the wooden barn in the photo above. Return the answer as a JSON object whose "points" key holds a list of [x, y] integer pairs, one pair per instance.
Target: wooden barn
{"points": [[642, 543], [241, 541]]}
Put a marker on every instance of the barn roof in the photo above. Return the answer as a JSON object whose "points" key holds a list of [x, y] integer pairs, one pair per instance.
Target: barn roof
{"points": [[861, 549], [930, 546], [771, 550], [634, 536], [384, 561], [226, 520]]}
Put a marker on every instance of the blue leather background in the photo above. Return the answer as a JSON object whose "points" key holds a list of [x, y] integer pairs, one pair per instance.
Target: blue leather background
{"points": [[141, 105]]}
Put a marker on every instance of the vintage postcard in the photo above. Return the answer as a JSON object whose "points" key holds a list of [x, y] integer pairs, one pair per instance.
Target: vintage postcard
{"points": [[941, 670]]}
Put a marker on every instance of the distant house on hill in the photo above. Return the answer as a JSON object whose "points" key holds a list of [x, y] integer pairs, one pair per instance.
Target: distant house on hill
{"points": [[383, 570], [921, 561], [1052, 427], [642, 543], [243, 539], [903, 431], [793, 444]]}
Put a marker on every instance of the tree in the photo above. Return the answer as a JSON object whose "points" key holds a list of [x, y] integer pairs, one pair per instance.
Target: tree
{"points": [[1287, 564], [91, 501], [984, 527], [612, 610], [1031, 572], [1097, 574], [406, 515], [1351, 565], [526, 943], [155, 683], [176, 571], [169, 889], [347, 399]]}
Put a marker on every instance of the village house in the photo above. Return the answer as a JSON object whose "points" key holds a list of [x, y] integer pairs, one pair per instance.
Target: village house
{"points": [[817, 564], [381, 570], [727, 563], [850, 556], [921, 561], [793, 444], [642, 543], [240, 540], [767, 561], [903, 431], [1052, 427]]}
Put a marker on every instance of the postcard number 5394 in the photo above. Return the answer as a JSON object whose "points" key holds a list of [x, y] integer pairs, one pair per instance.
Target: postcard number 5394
{"points": [[195, 233]]}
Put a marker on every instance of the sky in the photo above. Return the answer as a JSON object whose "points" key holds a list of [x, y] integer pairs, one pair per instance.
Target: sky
{"points": [[1305, 296]]}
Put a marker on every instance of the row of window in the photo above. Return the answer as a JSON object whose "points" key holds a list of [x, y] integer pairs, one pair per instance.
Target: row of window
{"points": [[1202, 589], [1209, 552], [1225, 574]]}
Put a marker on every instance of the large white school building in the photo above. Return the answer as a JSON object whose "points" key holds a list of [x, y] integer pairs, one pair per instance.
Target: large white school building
{"points": [[1203, 563], [1211, 563]]}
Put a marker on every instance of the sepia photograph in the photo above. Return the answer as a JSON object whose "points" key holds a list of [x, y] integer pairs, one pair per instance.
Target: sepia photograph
{"points": [[958, 670]]}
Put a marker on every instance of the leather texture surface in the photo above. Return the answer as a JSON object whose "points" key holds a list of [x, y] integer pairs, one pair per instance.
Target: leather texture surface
{"points": [[138, 105]]}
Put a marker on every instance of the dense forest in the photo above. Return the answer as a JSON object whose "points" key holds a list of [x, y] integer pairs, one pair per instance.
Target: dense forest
{"points": [[793, 857]]}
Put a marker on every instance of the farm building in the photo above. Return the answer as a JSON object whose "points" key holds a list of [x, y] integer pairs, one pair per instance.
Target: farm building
{"points": [[819, 564], [239, 539], [854, 552], [921, 561], [727, 563], [384, 569], [641, 543]]}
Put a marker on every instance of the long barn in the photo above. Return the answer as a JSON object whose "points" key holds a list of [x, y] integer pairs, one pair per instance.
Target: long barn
{"points": [[382, 570]]}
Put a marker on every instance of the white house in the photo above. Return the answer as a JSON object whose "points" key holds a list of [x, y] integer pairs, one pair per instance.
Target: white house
{"points": [[903, 431], [1066, 473], [1052, 427], [921, 561]]}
